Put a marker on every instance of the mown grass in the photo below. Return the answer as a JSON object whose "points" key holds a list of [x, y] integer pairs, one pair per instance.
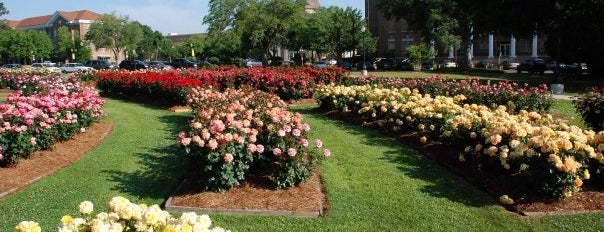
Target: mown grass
{"points": [[373, 183]]}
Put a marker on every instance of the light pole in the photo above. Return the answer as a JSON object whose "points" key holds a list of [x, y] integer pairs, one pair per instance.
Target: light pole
{"points": [[364, 72], [559, 8]]}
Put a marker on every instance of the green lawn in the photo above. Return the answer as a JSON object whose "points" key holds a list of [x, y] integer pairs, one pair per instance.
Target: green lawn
{"points": [[373, 183]]}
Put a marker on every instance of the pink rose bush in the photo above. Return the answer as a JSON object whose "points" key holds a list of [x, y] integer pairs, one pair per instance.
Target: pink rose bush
{"points": [[54, 112], [552, 157], [240, 132], [124, 215]]}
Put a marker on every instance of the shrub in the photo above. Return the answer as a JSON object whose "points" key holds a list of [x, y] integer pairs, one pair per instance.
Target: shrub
{"points": [[124, 215], [236, 133], [591, 108]]}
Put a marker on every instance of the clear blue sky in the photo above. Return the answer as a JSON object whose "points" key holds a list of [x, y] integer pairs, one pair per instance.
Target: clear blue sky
{"points": [[166, 16]]}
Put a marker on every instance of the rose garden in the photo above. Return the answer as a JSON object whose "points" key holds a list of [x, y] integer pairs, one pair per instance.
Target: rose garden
{"points": [[390, 153]]}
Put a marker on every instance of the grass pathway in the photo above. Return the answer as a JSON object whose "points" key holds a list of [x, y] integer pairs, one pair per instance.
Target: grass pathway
{"points": [[373, 183]]}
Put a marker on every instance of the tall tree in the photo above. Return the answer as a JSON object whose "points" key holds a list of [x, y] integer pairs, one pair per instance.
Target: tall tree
{"points": [[63, 44], [114, 32], [41, 45], [3, 10]]}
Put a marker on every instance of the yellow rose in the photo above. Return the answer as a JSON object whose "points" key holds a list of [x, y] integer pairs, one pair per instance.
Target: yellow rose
{"points": [[506, 200]]}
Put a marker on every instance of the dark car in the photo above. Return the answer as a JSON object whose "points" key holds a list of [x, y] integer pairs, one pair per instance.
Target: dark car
{"points": [[99, 64], [532, 66], [385, 64], [427, 66], [368, 66], [404, 65], [159, 65], [344, 64], [11, 66], [133, 65]]}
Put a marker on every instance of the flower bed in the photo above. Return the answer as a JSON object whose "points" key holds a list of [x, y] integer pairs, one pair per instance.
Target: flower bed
{"points": [[55, 111], [289, 84], [514, 96], [591, 108], [237, 132], [550, 157], [124, 215]]}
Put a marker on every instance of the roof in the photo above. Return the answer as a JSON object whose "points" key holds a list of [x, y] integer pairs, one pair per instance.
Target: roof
{"points": [[79, 15], [44, 19], [312, 5]]}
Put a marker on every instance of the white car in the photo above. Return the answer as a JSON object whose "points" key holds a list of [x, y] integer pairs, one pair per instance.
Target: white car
{"points": [[450, 64], [252, 63], [52, 67], [74, 67]]}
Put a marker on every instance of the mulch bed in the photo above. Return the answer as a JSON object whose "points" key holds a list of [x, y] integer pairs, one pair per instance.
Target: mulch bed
{"points": [[43, 163]]}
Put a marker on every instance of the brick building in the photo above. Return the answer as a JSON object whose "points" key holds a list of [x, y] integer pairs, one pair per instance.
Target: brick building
{"points": [[77, 22], [394, 37]]}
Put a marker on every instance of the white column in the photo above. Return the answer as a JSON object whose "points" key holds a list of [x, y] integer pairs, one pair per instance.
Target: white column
{"points": [[513, 47], [451, 52], [432, 48], [490, 46], [535, 43]]}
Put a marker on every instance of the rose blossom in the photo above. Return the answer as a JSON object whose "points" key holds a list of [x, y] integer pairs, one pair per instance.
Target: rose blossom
{"points": [[86, 207], [281, 133], [259, 148], [304, 142], [228, 158], [296, 132], [251, 148], [277, 151], [326, 152], [213, 144], [292, 151], [318, 143]]}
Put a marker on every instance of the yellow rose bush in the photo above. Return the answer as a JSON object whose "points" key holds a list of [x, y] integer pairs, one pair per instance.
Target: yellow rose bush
{"points": [[124, 215], [551, 157]]}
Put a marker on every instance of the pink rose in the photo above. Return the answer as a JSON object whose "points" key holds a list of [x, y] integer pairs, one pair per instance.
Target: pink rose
{"points": [[304, 142], [259, 148], [213, 144], [326, 152], [281, 133], [292, 152], [251, 147], [228, 158], [318, 143], [296, 132], [277, 151]]}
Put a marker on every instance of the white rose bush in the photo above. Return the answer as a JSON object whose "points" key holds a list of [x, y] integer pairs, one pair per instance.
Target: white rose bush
{"points": [[551, 157], [124, 215]]}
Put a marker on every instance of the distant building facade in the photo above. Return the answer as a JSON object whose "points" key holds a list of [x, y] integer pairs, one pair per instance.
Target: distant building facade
{"points": [[394, 37], [77, 22]]}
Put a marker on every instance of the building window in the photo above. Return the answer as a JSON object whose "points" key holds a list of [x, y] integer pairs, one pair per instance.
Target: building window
{"points": [[483, 43], [391, 42], [405, 43], [504, 48], [525, 44]]}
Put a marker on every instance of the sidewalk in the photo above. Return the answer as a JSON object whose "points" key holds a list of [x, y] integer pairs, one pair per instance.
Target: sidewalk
{"points": [[563, 97]]}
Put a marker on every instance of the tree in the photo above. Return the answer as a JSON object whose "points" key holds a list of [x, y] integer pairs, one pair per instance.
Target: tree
{"points": [[115, 33], [63, 44], [3, 10], [41, 45], [419, 53]]}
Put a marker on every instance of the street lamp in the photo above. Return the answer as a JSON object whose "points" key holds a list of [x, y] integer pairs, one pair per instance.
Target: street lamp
{"points": [[364, 72], [559, 7], [73, 50]]}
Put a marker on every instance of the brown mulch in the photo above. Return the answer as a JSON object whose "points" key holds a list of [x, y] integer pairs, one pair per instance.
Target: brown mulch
{"points": [[43, 163]]}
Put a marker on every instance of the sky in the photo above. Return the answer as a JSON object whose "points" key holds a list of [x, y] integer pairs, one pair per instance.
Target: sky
{"points": [[165, 16]]}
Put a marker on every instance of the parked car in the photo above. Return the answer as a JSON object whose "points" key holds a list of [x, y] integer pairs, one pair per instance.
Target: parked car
{"points": [[133, 65], [320, 64], [385, 64], [344, 64], [450, 64], [159, 65], [52, 67], [532, 66], [74, 67], [182, 63], [251, 63], [404, 65], [99, 64], [12, 66], [573, 68], [427, 66], [510, 64]]}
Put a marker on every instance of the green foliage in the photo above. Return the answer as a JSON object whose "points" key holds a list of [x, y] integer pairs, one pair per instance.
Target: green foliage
{"points": [[115, 33], [591, 108], [419, 53], [25, 45]]}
